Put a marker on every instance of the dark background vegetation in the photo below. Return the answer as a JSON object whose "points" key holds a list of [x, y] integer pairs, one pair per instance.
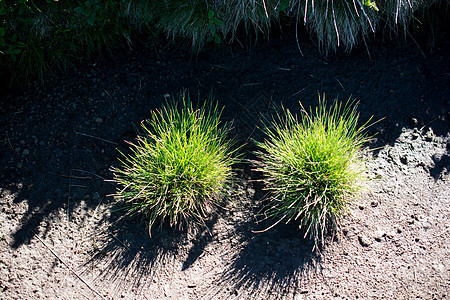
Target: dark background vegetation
{"points": [[39, 38]]}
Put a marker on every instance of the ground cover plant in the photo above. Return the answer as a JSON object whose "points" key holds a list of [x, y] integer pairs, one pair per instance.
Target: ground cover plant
{"points": [[313, 167], [180, 166]]}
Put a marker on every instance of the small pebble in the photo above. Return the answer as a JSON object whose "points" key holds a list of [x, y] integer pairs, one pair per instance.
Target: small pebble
{"points": [[26, 152], [98, 120], [429, 135], [426, 225], [378, 235], [364, 240], [19, 165]]}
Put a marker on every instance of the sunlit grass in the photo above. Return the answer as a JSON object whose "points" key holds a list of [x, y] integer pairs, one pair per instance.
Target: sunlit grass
{"points": [[180, 167], [313, 167]]}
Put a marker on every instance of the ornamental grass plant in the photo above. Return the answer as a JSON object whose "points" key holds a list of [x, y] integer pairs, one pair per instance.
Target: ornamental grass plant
{"points": [[202, 22], [179, 168], [337, 24], [313, 167]]}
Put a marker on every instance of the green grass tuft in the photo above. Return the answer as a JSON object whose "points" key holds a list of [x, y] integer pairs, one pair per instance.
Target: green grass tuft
{"points": [[202, 22], [313, 167], [180, 167]]}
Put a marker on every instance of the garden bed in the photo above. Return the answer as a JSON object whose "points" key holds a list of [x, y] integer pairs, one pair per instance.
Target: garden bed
{"points": [[63, 237]]}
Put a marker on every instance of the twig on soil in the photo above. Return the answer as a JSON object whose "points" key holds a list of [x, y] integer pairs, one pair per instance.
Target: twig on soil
{"points": [[295, 94], [10, 145], [90, 173], [94, 137], [251, 84], [123, 244], [69, 176], [140, 86], [106, 91], [340, 83], [68, 198], [219, 66], [68, 267], [240, 104], [79, 186]]}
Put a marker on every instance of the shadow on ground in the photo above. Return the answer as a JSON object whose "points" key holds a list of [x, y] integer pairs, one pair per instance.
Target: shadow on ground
{"points": [[267, 264], [130, 259]]}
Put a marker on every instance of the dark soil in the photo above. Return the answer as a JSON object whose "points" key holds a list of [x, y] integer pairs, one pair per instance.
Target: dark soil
{"points": [[62, 236]]}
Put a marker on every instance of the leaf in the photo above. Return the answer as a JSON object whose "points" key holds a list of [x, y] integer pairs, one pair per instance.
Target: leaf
{"points": [[2, 31], [218, 22], [283, 6], [210, 14], [90, 19], [371, 4], [78, 10], [21, 10]]}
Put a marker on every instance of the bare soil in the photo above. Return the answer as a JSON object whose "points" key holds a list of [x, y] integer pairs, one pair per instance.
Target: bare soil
{"points": [[63, 237]]}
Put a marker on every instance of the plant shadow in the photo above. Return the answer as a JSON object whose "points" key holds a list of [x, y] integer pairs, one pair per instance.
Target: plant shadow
{"points": [[262, 263], [269, 264], [441, 165], [130, 259]]}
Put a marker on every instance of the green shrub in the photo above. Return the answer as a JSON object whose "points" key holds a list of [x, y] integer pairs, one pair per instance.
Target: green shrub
{"points": [[313, 167], [180, 167]]}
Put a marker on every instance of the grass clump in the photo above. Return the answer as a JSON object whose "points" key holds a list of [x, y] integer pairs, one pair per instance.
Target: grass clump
{"points": [[337, 24], [217, 21], [313, 167], [179, 169]]}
